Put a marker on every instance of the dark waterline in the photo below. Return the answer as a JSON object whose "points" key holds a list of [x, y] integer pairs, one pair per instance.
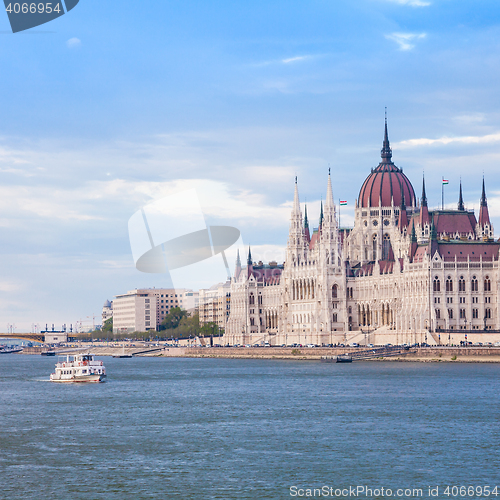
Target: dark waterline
{"points": [[234, 429]]}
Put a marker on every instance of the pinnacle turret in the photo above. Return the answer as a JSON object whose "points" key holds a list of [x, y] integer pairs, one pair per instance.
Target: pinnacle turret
{"points": [[423, 201], [461, 199], [484, 202], [484, 214], [386, 151], [329, 192]]}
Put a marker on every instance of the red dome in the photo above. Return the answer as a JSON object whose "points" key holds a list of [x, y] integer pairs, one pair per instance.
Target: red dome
{"points": [[386, 183]]}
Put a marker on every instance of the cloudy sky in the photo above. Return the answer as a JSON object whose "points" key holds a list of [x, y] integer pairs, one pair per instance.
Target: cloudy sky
{"points": [[118, 104]]}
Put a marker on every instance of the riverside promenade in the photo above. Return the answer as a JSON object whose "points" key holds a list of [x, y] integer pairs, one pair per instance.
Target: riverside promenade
{"points": [[418, 354]]}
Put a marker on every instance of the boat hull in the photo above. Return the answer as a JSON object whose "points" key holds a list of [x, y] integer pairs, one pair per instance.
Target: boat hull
{"points": [[81, 379]]}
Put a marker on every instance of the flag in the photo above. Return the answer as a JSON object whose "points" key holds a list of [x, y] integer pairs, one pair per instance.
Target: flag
{"points": [[445, 181], [343, 202]]}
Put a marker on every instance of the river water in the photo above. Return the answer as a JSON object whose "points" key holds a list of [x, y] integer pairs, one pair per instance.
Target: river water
{"points": [[166, 428]]}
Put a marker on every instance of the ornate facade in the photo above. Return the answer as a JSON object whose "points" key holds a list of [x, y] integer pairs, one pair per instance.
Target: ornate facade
{"points": [[403, 274]]}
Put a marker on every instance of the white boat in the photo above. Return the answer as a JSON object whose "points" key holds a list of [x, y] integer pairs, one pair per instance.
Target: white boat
{"points": [[79, 368]]}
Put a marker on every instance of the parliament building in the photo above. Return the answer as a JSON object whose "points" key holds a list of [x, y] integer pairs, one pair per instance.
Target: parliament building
{"points": [[403, 274]]}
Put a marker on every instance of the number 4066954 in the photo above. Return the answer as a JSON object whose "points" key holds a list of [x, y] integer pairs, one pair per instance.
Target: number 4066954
{"points": [[33, 8]]}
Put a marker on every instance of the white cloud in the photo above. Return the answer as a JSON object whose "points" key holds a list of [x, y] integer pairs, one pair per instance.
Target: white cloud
{"points": [[405, 40], [471, 139], [10, 286], [294, 59], [74, 43], [412, 3]]}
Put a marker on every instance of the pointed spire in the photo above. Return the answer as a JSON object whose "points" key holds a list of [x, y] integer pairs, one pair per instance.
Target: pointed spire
{"points": [[484, 214], [434, 235], [483, 203], [329, 192], [296, 202], [321, 215], [249, 260], [403, 217], [460, 198], [237, 270], [423, 202], [306, 225], [413, 234], [386, 152]]}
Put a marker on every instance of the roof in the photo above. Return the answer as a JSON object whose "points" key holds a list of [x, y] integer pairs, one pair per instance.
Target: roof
{"points": [[385, 184], [473, 251], [454, 221]]}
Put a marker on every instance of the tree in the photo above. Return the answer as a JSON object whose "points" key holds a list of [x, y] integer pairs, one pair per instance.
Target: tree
{"points": [[173, 319], [108, 325]]}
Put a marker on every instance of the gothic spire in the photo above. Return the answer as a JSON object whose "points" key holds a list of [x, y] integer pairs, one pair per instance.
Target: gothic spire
{"points": [[306, 226], [413, 234], [249, 260], [329, 192], [386, 152], [460, 198], [296, 202], [433, 231], [423, 202], [237, 270], [483, 203], [484, 215], [321, 215]]}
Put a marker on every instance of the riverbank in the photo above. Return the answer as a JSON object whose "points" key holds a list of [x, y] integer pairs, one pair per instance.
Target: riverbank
{"points": [[421, 354]]}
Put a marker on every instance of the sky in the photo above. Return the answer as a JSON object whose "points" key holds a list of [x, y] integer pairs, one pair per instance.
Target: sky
{"points": [[116, 105]]}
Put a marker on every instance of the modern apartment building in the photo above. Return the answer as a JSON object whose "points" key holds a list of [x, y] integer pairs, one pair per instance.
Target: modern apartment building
{"points": [[144, 309], [215, 304]]}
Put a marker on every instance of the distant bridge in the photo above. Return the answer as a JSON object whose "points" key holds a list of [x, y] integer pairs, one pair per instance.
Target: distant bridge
{"points": [[35, 337]]}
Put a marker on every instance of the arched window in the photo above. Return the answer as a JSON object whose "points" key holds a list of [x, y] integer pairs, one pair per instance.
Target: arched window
{"points": [[374, 248], [335, 290], [474, 287], [487, 313], [437, 284], [252, 299], [449, 284], [475, 314], [335, 318], [438, 313], [350, 309], [461, 284], [487, 284], [462, 314], [450, 313], [252, 322], [386, 245]]}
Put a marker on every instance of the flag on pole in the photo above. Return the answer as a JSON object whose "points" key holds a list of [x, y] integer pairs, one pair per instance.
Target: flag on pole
{"points": [[445, 181], [343, 202]]}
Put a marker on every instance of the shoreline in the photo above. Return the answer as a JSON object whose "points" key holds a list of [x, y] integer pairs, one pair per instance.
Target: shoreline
{"points": [[416, 355]]}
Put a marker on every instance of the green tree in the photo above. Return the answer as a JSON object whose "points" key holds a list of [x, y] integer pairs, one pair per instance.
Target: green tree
{"points": [[108, 326], [173, 319]]}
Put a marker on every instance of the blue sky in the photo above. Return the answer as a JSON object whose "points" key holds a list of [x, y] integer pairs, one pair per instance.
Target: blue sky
{"points": [[117, 104]]}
